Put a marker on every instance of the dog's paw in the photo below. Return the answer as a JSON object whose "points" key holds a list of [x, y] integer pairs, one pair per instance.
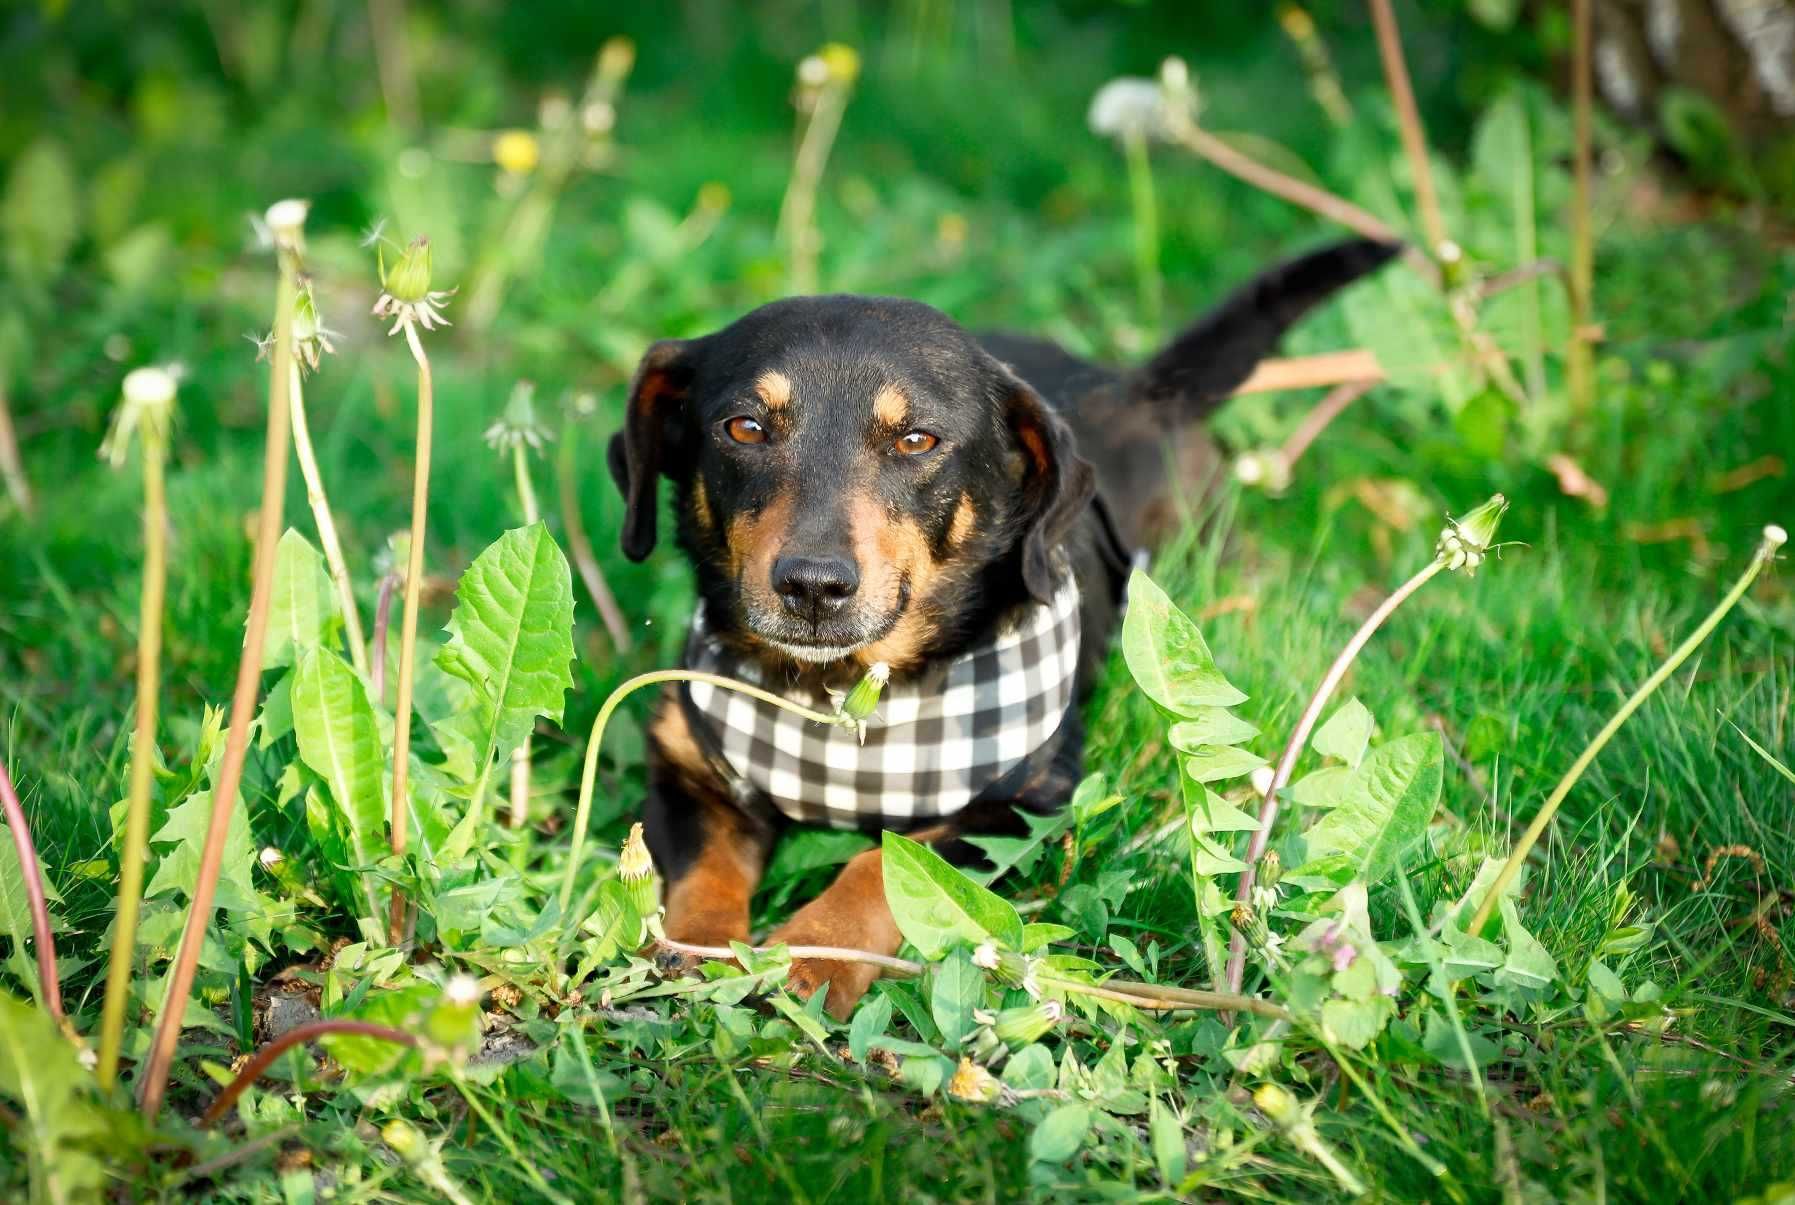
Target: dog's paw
{"points": [[845, 982]]}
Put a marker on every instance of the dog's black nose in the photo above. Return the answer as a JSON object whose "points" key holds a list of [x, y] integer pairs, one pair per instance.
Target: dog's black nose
{"points": [[815, 586]]}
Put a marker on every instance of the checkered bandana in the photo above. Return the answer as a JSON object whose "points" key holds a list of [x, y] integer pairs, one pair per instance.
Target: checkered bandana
{"points": [[932, 745]]}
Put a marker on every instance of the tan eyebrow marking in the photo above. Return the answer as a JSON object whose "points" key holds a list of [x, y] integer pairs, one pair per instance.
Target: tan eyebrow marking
{"points": [[774, 388], [890, 406]]}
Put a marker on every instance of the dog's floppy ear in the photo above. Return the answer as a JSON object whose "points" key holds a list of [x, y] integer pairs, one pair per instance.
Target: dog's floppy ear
{"points": [[1057, 483], [638, 452]]}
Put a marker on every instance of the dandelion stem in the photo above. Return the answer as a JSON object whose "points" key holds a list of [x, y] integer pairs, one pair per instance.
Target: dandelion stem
{"points": [[408, 623], [797, 213], [581, 544], [297, 1036], [33, 873], [143, 755], [1146, 228], [1299, 740], [1316, 421], [1414, 138], [243, 701], [1151, 997], [327, 527], [588, 776], [1766, 552]]}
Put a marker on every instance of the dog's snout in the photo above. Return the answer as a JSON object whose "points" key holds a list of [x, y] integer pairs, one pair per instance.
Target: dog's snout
{"points": [[814, 586]]}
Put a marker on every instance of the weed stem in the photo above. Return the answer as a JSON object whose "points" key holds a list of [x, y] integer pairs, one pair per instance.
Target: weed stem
{"points": [[1299, 739], [12, 468], [32, 871], [1414, 138], [243, 701], [143, 755], [588, 776], [1766, 552], [408, 623], [327, 527], [297, 1036], [520, 760], [1579, 370]]}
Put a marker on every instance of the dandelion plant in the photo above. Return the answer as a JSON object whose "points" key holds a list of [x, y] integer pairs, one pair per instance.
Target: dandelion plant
{"points": [[147, 412], [1462, 545], [286, 222], [406, 298]]}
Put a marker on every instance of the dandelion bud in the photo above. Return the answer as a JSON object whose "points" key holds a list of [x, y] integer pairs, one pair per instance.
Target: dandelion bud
{"points": [[1028, 1023], [986, 956], [518, 426], [1271, 869], [1464, 541], [1250, 925], [635, 868], [1775, 536], [859, 703], [286, 223], [311, 339], [452, 1026], [812, 72], [409, 279], [148, 407], [974, 1083], [1278, 1105], [404, 1140]]}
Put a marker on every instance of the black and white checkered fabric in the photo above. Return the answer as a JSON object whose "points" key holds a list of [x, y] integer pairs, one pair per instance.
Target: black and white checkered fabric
{"points": [[933, 743]]}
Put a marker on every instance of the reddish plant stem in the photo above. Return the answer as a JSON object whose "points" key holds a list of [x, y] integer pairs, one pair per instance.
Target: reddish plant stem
{"points": [[1315, 422], [298, 1035], [243, 705], [33, 873], [1299, 739], [1414, 139]]}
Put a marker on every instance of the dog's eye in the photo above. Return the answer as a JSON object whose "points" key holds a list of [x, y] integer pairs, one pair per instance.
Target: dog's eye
{"points": [[915, 443], [745, 430]]}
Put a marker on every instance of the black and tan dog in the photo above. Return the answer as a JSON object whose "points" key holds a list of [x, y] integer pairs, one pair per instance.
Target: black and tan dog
{"points": [[860, 481]]}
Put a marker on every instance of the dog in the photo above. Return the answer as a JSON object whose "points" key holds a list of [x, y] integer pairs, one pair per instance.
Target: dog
{"points": [[860, 482]]}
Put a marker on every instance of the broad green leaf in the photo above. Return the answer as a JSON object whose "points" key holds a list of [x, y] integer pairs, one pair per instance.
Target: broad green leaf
{"points": [[1323, 788], [179, 869], [1060, 1134], [1404, 321], [1346, 733], [1021, 853], [302, 609], [64, 1128], [1606, 983], [870, 1023], [1210, 726], [1384, 811], [339, 741], [1354, 1023], [937, 907], [1215, 763], [1167, 1138], [1030, 1069], [1167, 655], [956, 988], [1039, 936], [1529, 964], [511, 637]]}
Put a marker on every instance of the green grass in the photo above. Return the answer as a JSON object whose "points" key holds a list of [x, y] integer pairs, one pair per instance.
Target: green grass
{"points": [[1517, 667]]}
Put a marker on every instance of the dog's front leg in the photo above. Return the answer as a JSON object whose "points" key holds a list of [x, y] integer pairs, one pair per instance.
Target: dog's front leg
{"points": [[850, 913]]}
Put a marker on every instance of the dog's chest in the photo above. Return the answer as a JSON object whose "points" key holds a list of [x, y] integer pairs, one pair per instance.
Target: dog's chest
{"points": [[932, 745]]}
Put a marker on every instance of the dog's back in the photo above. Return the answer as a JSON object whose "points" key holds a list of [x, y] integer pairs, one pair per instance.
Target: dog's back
{"points": [[1140, 427]]}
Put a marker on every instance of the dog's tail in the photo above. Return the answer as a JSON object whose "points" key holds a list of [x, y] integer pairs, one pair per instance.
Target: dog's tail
{"points": [[1202, 366]]}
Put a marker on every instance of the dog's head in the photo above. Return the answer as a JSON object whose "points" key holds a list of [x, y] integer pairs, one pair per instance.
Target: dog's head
{"points": [[850, 473]]}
